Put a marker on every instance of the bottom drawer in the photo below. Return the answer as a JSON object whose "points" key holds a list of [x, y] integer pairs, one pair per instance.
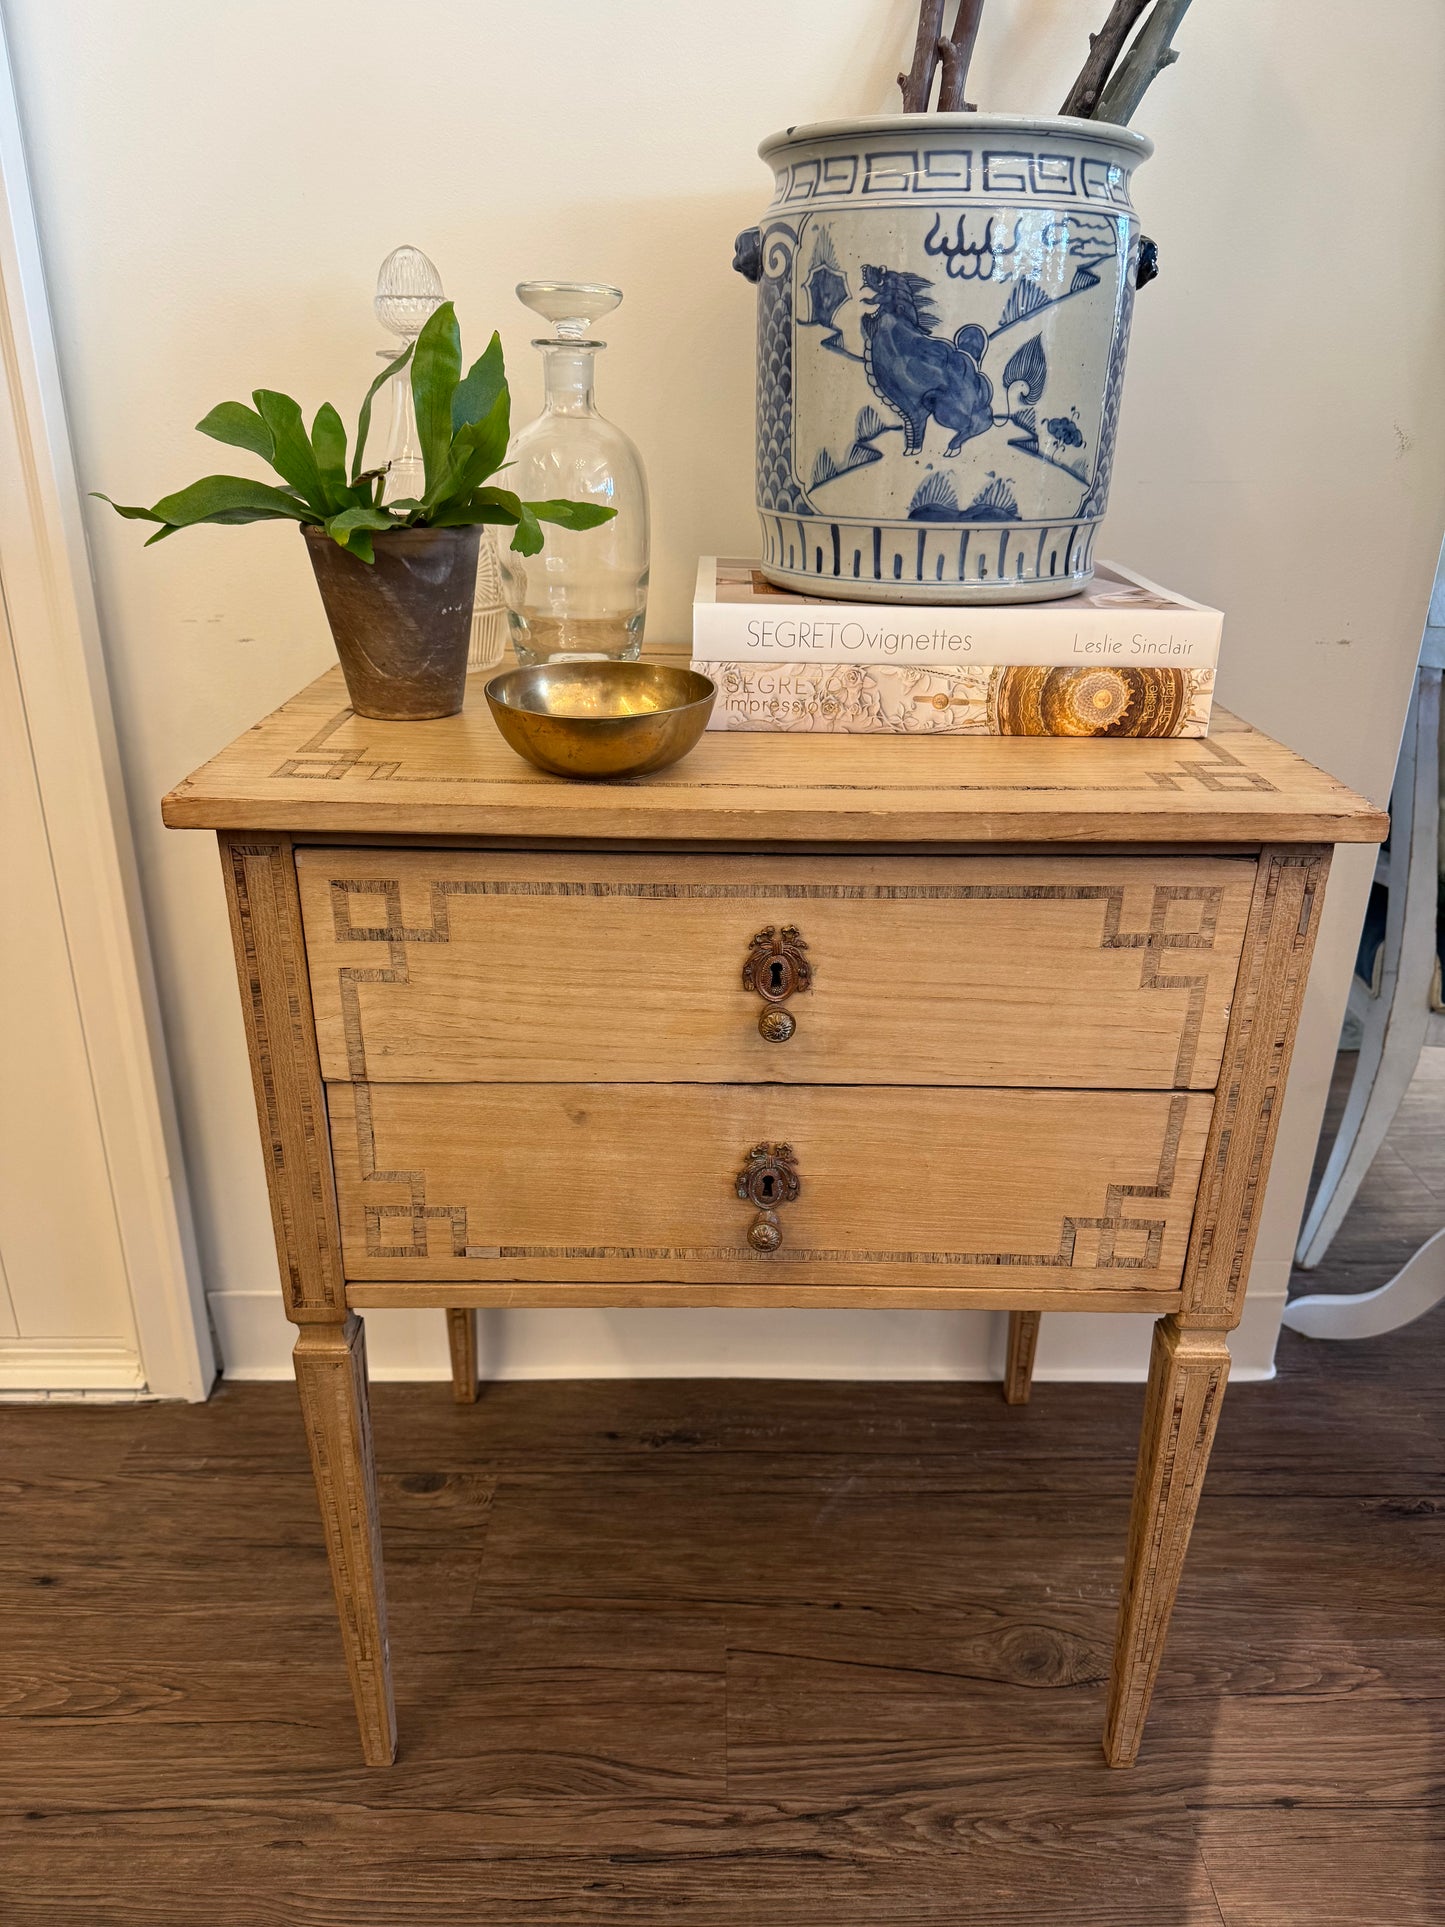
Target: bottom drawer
{"points": [[611, 1183]]}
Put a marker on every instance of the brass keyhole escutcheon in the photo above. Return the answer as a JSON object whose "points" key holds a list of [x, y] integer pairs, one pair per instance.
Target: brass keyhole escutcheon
{"points": [[775, 969], [768, 1179]]}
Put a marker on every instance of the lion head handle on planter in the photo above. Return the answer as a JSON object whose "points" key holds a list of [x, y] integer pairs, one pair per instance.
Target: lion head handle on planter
{"points": [[396, 577]]}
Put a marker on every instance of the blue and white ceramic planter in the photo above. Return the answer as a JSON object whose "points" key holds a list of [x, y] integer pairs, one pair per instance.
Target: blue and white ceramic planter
{"points": [[943, 315]]}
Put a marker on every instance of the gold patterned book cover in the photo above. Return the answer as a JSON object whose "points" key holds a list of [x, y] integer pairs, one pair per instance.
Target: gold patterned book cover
{"points": [[882, 698]]}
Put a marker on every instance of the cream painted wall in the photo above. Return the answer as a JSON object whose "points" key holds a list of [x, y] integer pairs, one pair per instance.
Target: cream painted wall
{"points": [[217, 182]]}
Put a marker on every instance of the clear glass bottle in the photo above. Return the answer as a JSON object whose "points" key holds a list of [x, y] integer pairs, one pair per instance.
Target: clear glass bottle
{"points": [[408, 289], [584, 597]]}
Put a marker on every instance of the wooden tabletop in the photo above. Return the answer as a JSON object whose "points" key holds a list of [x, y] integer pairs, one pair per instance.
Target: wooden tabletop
{"points": [[313, 767]]}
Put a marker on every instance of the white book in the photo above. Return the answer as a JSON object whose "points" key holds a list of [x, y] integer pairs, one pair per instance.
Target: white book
{"points": [[1121, 620]]}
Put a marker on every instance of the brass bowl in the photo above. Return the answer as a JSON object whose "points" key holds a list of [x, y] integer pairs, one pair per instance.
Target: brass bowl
{"points": [[600, 719]]}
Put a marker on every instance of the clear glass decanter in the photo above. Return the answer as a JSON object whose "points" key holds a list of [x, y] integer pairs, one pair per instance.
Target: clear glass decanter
{"points": [[584, 597], [408, 289]]}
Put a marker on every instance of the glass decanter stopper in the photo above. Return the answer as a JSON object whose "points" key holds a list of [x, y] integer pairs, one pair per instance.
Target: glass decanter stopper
{"points": [[408, 290], [585, 596]]}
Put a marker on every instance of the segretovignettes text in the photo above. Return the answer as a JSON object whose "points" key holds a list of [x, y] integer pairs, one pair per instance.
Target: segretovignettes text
{"points": [[793, 637]]}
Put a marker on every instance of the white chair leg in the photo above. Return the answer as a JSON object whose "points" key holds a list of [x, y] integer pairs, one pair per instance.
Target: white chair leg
{"points": [[1396, 1024], [1415, 1289]]}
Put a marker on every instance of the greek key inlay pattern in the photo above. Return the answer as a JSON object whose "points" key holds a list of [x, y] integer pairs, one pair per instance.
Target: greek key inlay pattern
{"points": [[416, 1215], [1155, 941], [1266, 1007], [1111, 1254], [1207, 764]]}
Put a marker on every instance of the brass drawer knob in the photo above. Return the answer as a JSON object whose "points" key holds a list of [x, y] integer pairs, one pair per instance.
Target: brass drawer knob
{"points": [[776, 1026], [768, 1179], [775, 968]]}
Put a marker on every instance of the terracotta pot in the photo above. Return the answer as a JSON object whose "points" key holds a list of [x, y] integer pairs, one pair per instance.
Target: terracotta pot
{"points": [[401, 624]]}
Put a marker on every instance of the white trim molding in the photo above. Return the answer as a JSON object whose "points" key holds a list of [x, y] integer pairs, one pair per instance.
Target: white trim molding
{"points": [[52, 1365], [49, 602], [679, 1342]]}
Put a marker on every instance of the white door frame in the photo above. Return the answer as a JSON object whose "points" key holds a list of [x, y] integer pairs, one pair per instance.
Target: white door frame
{"points": [[49, 603]]}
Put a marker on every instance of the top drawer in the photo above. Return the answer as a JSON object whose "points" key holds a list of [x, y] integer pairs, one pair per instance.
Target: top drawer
{"points": [[445, 966]]}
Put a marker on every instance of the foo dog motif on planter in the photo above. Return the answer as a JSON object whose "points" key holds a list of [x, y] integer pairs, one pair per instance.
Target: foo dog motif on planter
{"points": [[943, 315]]}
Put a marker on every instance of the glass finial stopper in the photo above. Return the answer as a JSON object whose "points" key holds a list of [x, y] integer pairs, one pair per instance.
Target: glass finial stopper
{"points": [[571, 306], [408, 289]]}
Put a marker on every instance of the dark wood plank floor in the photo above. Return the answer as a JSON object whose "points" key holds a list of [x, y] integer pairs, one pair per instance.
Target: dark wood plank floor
{"points": [[730, 1653], [1402, 1201]]}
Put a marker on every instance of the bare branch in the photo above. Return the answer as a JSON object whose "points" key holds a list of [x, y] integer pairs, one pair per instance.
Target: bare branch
{"points": [[955, 52], [1104, 49], [1150, 54], [917, 83]]}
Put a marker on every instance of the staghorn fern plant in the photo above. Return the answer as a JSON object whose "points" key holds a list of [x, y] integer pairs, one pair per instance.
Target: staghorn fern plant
{"points": [[463, 424]]}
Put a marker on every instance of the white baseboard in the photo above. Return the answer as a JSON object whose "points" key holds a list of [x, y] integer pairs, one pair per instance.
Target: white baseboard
{"points": [[255, 1343], [31, 1366], [1082, 1347]]}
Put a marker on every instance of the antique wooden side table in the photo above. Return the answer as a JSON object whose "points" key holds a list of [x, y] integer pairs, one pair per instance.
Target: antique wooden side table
{"points": [[802, 1021]]}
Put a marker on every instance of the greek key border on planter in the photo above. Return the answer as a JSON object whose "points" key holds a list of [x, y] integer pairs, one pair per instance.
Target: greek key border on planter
{"points": [[900, 172]]}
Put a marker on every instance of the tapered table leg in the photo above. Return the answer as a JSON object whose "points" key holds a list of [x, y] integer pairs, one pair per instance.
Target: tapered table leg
{"points": [[1018, 1371], [330, 1361], [1187, 1373], [462, 1341]]}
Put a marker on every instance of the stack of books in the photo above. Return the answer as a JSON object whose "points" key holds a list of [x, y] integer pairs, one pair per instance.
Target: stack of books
{"points": [[1125, 658]]}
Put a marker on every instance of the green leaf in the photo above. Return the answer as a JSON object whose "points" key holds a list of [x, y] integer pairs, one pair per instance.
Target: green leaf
{"points": [[229, 518], [131, 514], [475, 453], [529, 538], [436, 369], [230, 498], [345, 527], [241, 427], [226, 499], [464, 510], [502, 498], [486, 381], [482, 444], [293, 459], [361, 547], [572, 515], [363, 420], [328, 443]]}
